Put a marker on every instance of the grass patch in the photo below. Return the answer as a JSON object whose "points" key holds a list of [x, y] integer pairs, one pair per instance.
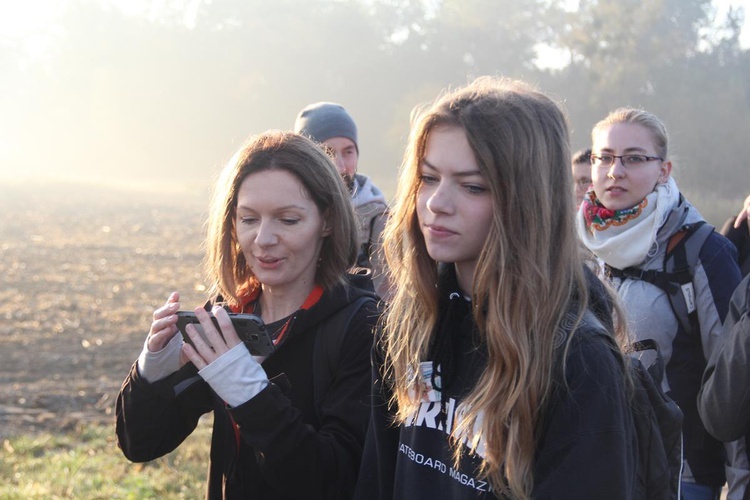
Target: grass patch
{"points": [[87, 463]]}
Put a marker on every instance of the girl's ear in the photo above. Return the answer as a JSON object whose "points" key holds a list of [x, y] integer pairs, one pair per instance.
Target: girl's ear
{"points": [[664, 171]]}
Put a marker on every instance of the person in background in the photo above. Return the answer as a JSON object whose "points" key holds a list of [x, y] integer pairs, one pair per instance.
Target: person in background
{"points": [[500, 380], [281, 237], [331, 125], [627, 219], [724, 399], [581, 166], [737, 230]]}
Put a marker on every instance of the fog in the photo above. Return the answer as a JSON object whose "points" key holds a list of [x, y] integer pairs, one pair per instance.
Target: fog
{"points": [[158, 94]]}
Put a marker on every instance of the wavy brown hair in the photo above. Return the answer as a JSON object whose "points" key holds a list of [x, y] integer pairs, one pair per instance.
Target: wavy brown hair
{"points": [[528, 275], [226, 265]]}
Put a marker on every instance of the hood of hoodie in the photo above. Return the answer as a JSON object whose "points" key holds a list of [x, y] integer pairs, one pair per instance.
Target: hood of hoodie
{"points": [[365, 192], [458, 352]]}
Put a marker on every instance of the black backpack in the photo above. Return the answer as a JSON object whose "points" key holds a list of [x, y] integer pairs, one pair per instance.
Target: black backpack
{"points": [[328, 341], [658, 425]]}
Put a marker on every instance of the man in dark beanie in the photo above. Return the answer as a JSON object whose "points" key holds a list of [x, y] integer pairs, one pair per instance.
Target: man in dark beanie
{"points": [[330, 125]]}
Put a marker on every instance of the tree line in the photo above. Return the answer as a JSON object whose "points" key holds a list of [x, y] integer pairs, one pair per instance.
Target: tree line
{"points": [[174, 98]]}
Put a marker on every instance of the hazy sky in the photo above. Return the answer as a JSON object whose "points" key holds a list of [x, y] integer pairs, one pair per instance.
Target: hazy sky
{"points": [[30, 21], [27, 134]]}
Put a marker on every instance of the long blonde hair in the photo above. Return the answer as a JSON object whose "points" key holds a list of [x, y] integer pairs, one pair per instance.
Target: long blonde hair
{"points": [[528, 275]]}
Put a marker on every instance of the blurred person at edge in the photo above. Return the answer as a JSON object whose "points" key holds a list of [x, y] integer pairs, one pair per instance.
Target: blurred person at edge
{"points": [[330, 125], [626, 219], [486, 382], [581, 166], [281, 236], [724, 399], [737, 230]]}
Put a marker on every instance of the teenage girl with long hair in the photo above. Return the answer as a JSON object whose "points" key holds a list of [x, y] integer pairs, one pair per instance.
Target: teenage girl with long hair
{"points": [[499, 372]]}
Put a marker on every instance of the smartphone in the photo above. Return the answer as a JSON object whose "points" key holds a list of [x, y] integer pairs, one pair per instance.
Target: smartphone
{"points": [[250, 329]]}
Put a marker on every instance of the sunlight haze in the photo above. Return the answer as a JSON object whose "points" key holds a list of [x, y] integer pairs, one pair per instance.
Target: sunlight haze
{"points": [[160, 93]]}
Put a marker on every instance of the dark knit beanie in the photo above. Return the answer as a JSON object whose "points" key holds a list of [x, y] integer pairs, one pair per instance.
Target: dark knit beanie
{"points": [[323, 120]]}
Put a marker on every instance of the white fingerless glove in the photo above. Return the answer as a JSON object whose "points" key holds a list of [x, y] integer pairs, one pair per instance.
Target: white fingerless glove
{"points": [[154, 366], [235, 376]]}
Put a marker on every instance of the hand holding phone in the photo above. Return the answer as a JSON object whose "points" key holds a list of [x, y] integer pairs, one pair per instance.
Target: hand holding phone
{"points": [[249, 327]]}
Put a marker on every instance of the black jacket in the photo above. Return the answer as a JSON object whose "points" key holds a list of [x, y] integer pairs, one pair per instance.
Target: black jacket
{"points": [[585, 442], [724, 400], [292, 442]]}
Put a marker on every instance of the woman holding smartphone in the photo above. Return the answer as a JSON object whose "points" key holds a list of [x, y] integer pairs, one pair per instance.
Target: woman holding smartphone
{"points": [[281, 237]]}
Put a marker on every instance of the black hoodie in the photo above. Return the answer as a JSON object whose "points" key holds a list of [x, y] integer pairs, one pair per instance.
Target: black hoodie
{"points": [[585, 440]]}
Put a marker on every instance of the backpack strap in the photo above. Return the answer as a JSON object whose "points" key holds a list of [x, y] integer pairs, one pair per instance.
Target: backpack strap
{"points": [[680, 260], [658, 423], [676, 278], [369, 244], [665, 281], [656, 368], [327, 347], [365, 250]]}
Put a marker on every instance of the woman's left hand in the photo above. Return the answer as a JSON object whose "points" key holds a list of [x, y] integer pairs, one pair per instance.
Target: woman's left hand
{"points": [[219, 341], [223, 363]]}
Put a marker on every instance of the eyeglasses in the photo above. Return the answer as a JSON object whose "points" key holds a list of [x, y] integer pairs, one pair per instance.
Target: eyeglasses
{"points": [[628, 161]]}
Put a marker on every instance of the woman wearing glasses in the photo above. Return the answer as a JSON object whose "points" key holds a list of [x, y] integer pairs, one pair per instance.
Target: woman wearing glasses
{"points": [[628, 219]]}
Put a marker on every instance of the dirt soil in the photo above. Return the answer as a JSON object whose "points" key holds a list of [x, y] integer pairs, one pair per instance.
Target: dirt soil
{"points": [[81, 271]]}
